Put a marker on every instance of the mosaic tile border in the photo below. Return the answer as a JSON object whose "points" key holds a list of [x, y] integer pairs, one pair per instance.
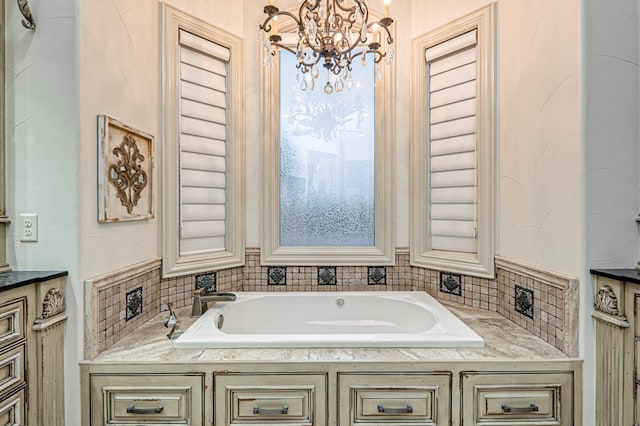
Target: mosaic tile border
{"points": [[106, 304], [555, 302], [554, 310]]}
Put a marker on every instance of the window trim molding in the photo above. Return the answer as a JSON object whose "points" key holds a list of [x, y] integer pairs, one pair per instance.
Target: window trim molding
{"points": [[383, 250], [174, 264], [482, 263]]}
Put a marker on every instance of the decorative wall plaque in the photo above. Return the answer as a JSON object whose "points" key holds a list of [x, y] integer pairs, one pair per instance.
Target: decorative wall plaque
{"points": [[125, 172]]}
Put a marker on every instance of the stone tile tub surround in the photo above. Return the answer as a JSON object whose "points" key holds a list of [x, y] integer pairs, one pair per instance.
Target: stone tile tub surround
{"points": [[554, 296]]}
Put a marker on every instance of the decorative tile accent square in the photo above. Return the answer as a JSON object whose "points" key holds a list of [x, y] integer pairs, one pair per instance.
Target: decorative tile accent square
{"points": [[523, 301], [207, 281], [451, 283], [327, 275], [134, 303], [277, 275], [377, 275]]}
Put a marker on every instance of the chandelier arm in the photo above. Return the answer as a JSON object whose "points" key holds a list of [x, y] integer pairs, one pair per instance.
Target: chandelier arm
{"points": [[309, 65], [282, 46], [384, 24], [378, 56], [272, 16]]}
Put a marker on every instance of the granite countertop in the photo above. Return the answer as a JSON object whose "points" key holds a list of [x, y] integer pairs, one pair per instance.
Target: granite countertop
{"points": [[14, 279], [504, 340], [628, 275]]}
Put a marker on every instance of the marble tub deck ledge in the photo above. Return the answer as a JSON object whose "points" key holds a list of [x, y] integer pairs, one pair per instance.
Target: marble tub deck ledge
{"points": [[504, 340]]}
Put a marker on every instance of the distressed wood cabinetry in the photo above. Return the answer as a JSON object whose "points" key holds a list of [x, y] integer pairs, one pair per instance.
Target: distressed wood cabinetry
{"points": [[617, 330], [32, 318], [333, 393]]}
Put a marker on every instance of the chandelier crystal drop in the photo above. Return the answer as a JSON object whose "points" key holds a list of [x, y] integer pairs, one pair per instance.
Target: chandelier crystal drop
{"points": [[330, 34]]}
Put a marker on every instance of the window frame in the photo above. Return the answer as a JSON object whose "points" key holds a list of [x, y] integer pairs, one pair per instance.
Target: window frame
{"points": [[480, 264], [173, 263], [383, 250]]}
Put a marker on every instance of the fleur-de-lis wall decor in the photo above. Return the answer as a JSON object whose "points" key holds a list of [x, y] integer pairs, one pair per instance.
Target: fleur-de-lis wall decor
{"points": [[125, 172], [127, 175]]}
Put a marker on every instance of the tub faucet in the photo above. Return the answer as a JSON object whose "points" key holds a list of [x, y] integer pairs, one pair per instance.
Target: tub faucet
{"points": [[173, 323], [201, 299]]}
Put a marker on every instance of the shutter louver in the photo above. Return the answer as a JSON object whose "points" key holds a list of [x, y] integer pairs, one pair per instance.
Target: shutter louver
{"points": [[203, 134], [452, 69]]}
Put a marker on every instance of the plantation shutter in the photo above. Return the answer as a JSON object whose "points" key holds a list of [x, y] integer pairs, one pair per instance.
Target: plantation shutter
{"points": [[452, 70], [203, 151]]}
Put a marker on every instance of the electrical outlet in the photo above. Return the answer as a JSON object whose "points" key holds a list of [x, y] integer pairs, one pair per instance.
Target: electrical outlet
{"points": [[29, 223]]}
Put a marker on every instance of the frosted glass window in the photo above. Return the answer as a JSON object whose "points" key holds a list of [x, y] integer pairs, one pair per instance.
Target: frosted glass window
{"points": [[327, 159]]}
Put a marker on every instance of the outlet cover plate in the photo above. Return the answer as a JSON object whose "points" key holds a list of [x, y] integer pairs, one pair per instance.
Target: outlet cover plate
{"points": [[29, 227]]}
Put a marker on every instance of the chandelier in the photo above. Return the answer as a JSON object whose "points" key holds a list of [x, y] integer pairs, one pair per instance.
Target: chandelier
{"points": [[330, 34]]}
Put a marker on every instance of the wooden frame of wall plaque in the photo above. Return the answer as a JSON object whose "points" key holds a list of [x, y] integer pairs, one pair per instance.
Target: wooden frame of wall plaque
{"points": [[125, 172]]}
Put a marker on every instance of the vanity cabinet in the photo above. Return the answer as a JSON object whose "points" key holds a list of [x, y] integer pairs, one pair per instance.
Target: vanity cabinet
{"points": [[337, 393], [617, 332], [32, 318]]}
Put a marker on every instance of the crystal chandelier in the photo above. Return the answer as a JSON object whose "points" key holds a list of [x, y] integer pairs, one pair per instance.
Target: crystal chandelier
{"points": [[331, 34]]}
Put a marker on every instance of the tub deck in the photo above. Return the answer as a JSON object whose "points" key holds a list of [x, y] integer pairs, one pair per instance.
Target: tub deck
{"points": [[503, 339]]}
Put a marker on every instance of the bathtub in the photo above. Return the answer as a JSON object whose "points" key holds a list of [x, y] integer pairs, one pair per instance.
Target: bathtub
{"points": [[323, 319]]}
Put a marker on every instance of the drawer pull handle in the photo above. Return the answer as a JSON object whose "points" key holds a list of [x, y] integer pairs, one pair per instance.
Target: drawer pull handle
{"points": [[530, 409], [270, 411], [133, 410], [406, 410]]}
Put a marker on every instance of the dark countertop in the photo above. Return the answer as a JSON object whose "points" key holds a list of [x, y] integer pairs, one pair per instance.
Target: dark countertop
{"points": [[628, 275], [13, 279]]}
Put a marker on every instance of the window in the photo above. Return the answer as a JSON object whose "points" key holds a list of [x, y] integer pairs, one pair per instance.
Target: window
{"points": [[327, 167], [453, 147], [203, 147]]}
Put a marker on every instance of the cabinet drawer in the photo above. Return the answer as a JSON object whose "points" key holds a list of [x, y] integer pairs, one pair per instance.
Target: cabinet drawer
{"points": [[376, 399], [12, 321], [12, 369], [12, 409], [270, 399], [519, 398], [148, 399]]}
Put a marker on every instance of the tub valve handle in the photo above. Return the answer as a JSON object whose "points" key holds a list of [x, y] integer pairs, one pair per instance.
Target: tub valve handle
{"points": [[173, 323]]}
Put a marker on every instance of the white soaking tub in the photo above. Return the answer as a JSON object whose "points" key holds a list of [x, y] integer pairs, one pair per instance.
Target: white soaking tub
{"points": [[323, 319]]}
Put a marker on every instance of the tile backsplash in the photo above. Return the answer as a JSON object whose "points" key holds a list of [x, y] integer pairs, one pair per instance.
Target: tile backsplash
{"points": [[113, 298]]}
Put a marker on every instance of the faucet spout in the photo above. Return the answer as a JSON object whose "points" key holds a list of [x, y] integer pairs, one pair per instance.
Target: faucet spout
{"points": [[201, 299]]}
